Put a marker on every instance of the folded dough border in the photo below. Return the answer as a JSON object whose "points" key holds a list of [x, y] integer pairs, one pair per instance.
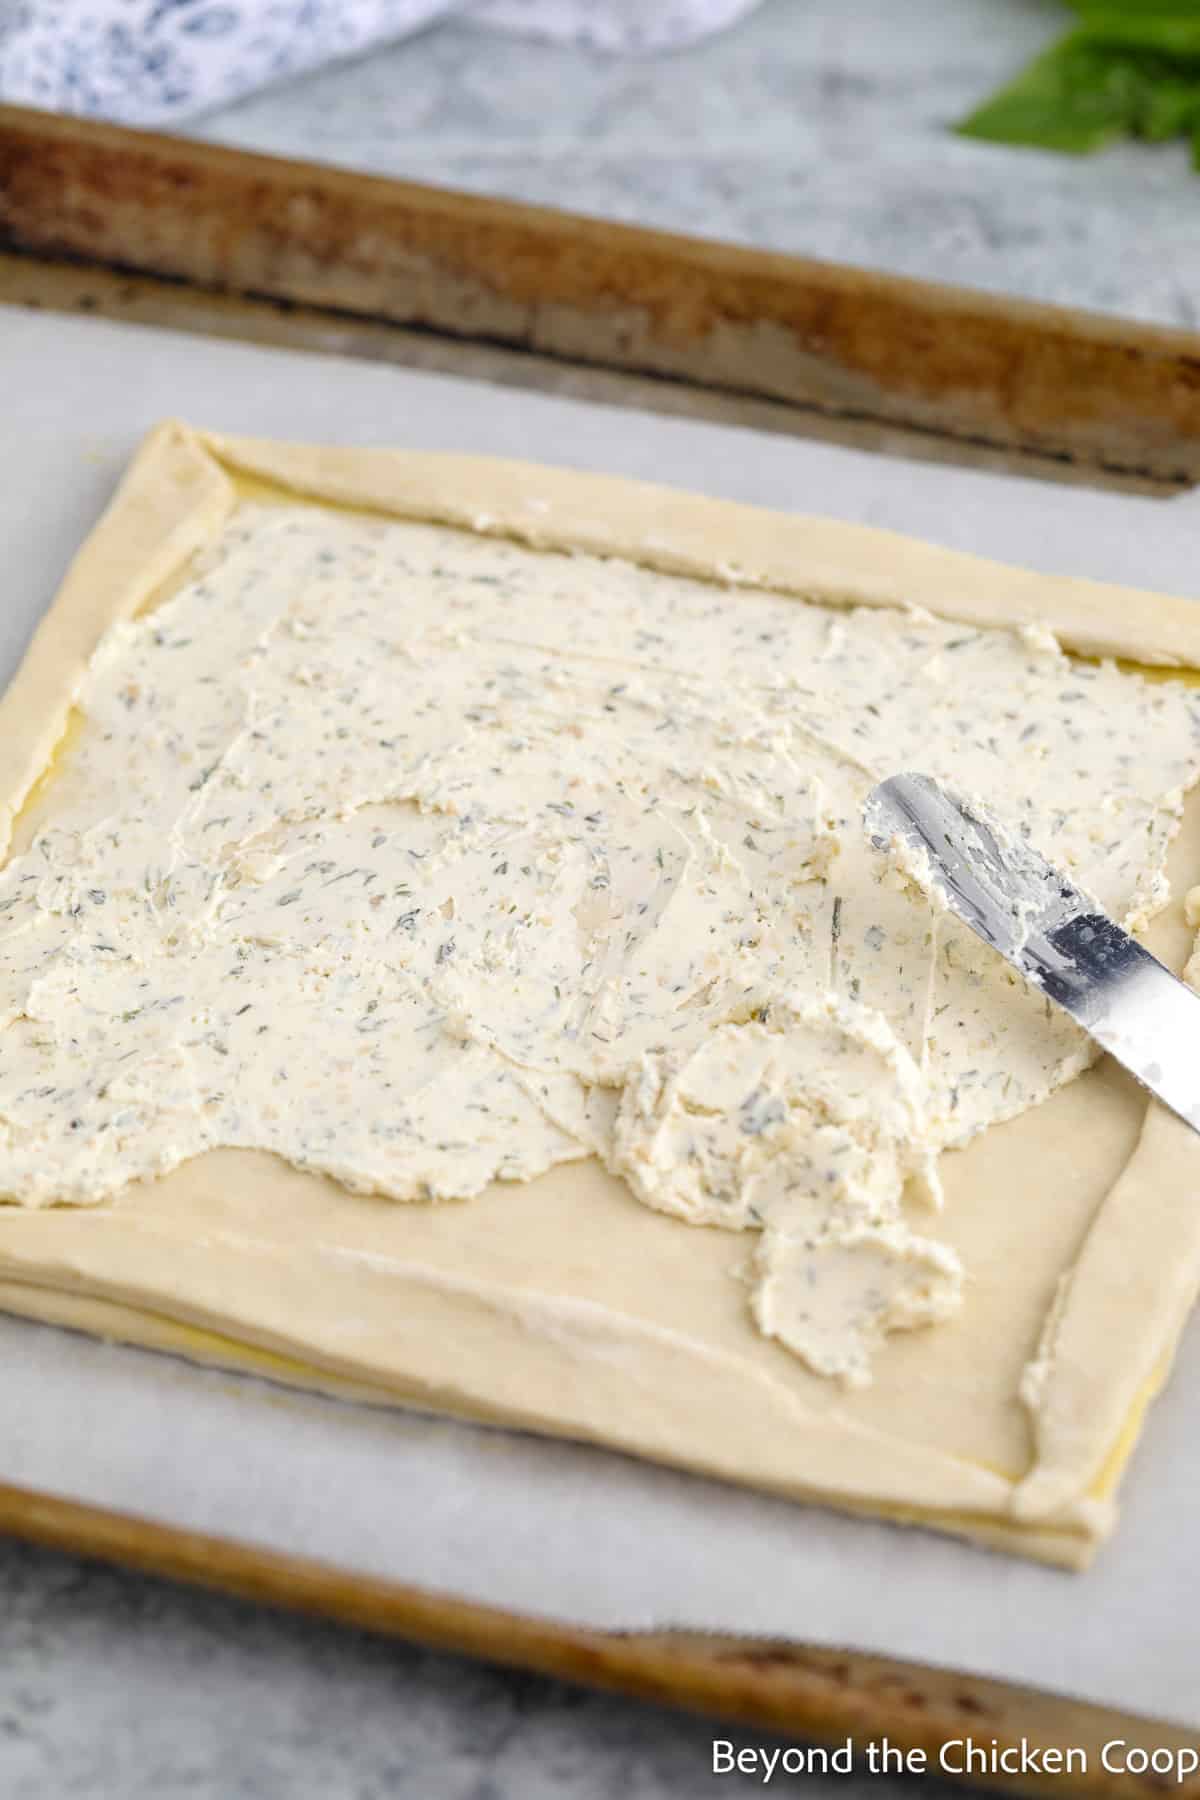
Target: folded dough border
{"points": [[166, 1264]]}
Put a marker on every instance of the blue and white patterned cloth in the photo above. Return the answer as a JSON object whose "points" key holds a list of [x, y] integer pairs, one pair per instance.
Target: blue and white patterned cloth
{"points": [[149, 62]]}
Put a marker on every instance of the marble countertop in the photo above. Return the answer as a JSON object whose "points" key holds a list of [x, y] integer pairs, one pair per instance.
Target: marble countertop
{"points": [[814, 127], [115, 1686]]}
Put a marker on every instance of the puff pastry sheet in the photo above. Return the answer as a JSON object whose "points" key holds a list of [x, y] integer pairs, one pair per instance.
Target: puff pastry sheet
{"points": [[562, 1306]]}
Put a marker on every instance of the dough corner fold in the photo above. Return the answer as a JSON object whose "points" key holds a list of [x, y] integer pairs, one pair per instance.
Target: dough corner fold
{"points": [[441, 964]]}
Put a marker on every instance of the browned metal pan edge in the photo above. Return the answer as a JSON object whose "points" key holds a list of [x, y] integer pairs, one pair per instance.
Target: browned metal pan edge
{"points": [[785, 1688], [845, 341]]}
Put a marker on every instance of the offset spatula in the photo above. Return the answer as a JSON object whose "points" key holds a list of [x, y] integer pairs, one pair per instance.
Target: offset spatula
{"points": [[1052, 934]]}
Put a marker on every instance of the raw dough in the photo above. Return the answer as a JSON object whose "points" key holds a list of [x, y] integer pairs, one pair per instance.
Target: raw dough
{"points": [[580, 1317]]}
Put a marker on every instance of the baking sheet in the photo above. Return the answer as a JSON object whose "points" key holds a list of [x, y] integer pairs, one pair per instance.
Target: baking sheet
{"points": [[500, 1518]]}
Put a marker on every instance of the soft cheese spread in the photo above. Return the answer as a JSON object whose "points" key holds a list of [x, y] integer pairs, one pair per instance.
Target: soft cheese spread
{"points": [[424, 860]]}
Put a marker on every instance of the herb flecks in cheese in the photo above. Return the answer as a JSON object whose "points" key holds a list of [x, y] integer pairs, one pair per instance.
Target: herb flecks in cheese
{"points": [[425, 860], [806, 1128]]}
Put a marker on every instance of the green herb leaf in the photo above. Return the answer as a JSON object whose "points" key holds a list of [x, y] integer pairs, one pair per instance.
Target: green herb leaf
{"points": [[1170, 26], [1090, 89]]}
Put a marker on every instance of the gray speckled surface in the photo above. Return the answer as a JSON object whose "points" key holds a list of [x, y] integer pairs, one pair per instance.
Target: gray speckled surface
{"points": [[118, 1687], [816, 127]]}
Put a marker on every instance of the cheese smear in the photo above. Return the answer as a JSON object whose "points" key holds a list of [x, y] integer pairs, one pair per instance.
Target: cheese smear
{"points": [[425, 860]]}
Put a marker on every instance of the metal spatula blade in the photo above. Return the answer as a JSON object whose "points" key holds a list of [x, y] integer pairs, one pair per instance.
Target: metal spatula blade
{"points": [[1053, 934]]}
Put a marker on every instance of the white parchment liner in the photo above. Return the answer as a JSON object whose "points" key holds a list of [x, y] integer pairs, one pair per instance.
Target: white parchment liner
{"points": [[496, 1517]]}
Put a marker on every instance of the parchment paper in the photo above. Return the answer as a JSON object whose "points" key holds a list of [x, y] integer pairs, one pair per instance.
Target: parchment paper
{"points": [[495, 1517]]}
